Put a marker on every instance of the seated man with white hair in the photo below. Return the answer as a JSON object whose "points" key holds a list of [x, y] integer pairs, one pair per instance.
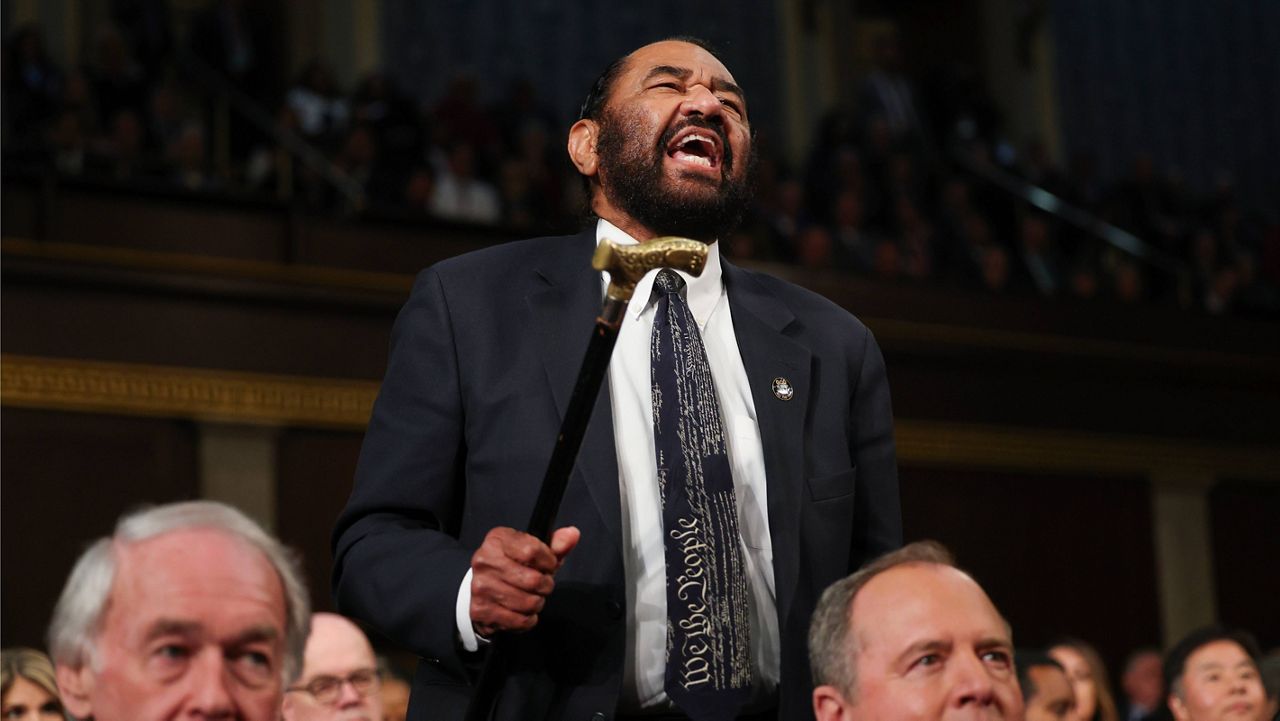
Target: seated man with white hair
{"points": [[340, 677], [186, 610]]}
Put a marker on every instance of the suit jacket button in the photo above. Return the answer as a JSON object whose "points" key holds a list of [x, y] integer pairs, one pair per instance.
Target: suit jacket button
{"points": [[615, 610]]}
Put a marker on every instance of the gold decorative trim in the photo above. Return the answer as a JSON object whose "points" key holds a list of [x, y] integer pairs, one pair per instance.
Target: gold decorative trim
{"points": [[889, 330], [265, 399], [169, 391], [965, 445], [191, 263]]}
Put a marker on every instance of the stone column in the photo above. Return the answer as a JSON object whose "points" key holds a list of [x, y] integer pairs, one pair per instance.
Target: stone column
{"points": [[238, 466], [1184, 555]]}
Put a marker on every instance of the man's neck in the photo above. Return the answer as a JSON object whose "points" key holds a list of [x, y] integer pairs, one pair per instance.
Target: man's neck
{"points": [[629, 225]]}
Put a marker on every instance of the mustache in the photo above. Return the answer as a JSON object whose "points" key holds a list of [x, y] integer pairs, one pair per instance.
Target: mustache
{"points": [[698, 121]]}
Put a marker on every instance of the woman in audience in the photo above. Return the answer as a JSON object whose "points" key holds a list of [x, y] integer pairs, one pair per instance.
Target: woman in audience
{"points": [[28, 691], [1094, 701]]}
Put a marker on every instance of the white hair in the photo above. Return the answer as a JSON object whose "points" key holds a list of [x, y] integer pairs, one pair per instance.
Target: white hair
{"points": [[77, 619]]}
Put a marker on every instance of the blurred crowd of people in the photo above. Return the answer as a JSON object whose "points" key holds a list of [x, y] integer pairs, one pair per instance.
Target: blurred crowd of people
{"points": [[888, 188]]}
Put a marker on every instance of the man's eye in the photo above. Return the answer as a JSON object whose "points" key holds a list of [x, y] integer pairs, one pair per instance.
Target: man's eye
{"points": [[323, 685], [929, 659], [173, 652], [252, 667], [731, 104], [1000, 658], [255, 658]]}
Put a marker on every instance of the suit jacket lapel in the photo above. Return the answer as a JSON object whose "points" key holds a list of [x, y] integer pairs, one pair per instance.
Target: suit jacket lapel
{"points": [[759, 320], [564, 302]]}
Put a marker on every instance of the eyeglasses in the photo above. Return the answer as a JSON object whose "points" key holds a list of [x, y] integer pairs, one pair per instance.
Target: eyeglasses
{"points": [[327, 689]]}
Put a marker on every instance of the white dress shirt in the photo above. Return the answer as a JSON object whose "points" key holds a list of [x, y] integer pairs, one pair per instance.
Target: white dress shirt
{"points": [[643, 550], [643, 555]]}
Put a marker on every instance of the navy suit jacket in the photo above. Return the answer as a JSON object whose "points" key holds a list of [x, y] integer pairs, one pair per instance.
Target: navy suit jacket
{"points": [[483, 359]]}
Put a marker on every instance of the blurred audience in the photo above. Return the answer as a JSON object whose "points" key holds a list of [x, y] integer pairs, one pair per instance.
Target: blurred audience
{"points": [[395, 692], [1088, 675], [1142, 684], [28, 688], [33, 87], [1270, 669], [322, 111], [340, 675], [1046, 690], [460, 195], [910, 636], [875, 197]]}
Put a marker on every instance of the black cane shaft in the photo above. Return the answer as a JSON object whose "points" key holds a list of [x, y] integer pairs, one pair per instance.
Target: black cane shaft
{"points": [[594, 366], [595, 363]]}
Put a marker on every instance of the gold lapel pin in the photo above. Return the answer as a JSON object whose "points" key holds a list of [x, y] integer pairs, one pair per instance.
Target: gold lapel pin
{"points": [[783, 390]]}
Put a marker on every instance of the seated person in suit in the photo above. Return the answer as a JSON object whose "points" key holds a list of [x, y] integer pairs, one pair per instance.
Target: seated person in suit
{"points": [[1142, 683], [1212, 675], [340, 677], [911, 637], [188, 610]]}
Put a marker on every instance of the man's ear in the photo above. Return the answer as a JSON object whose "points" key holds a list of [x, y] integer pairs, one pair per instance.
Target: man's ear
{"points": [[582, 147], [75, 686], [1178, 707], [829, 704]]}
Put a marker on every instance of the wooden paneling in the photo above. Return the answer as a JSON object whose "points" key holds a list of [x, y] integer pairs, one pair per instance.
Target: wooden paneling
{"points": [[314, 474], [67, 477], [1246, 556], [1058, 554], [195, 322]]}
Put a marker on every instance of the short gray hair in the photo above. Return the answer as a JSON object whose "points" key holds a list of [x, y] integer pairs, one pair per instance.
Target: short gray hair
{"points": [[832, 645], [77, 619]]}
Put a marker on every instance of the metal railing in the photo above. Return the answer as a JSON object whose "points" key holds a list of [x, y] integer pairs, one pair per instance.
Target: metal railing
{"points": [[1076, 217]]}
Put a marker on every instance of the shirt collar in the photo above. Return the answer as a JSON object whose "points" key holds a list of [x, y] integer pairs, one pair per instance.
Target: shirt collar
{"points": [[701, 293]]}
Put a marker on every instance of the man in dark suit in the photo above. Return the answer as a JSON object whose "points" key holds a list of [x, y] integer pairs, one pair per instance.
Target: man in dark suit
{"points": [[483, 361]]}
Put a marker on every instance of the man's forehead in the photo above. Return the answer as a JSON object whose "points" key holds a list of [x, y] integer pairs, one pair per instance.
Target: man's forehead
{"points": [[1218, 654], [164, 575], [924, 602], [676, 54], [191, 553], [336, 645]]}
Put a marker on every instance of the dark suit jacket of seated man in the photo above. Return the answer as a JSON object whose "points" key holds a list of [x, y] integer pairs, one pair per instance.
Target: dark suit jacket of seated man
{"points": [[483, 360]]}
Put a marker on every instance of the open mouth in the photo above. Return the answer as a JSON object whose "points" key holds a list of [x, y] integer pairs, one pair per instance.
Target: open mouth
{"points": [[696, 146]]}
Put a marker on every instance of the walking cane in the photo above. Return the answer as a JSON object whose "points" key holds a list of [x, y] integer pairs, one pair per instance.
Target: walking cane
{"points": [[626, 265]]}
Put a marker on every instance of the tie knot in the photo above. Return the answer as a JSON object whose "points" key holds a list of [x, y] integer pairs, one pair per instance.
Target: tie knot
{"points": [[668, 281]]}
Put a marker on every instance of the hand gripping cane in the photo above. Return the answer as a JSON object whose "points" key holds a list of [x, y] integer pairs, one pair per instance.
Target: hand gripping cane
{"points": [[626, 265]]}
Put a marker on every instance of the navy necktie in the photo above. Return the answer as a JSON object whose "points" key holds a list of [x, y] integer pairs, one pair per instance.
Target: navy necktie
{"points": [[708, 627]]}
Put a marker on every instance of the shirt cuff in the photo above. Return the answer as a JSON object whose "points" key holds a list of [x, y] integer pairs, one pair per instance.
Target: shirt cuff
{"points": [[467, 636]]}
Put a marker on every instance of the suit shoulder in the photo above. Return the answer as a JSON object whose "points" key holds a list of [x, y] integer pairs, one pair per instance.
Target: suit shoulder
{"points": [[499, 260]]}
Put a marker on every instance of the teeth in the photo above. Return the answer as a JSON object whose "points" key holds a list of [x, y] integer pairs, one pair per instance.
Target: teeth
{"points": [[695, 159], [695, 136]]}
